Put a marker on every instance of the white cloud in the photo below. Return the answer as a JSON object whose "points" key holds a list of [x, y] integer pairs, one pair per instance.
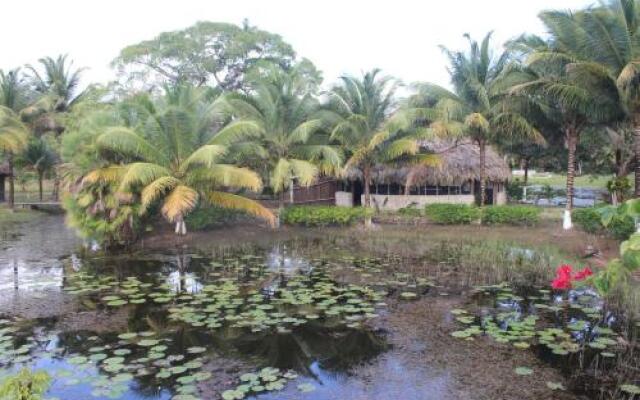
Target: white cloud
{"points": [[340, 36]]}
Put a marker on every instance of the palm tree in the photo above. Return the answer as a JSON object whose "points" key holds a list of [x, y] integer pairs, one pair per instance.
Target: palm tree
{"points": [[477, 107], [552, 80], [287, 139], [364, 123], [601, 46], [58, 80], [38, 157], [174, 159], [13, 139], [13, 133]]}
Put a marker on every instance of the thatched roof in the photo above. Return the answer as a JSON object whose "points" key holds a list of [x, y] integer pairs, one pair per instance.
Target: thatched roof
{"points": [[459, 163]]}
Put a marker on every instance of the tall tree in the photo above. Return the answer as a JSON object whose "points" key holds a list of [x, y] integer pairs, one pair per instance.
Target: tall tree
{"points": [[369, 127], [553, 80], [13, 139], [13, 132], [289, 141], [477, 108], [207, 53], [603, 44], [39, 158]]}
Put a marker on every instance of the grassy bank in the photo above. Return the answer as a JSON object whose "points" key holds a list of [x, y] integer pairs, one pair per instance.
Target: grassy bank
{"points": [[587, 181]]}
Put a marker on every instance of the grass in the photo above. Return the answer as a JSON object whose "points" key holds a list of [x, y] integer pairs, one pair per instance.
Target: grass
{"points": [[587, 181], [8, 217]]}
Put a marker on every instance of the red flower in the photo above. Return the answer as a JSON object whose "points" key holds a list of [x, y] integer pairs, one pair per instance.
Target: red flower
{"points": [[564, 276], [585, 273], [561, 283]]}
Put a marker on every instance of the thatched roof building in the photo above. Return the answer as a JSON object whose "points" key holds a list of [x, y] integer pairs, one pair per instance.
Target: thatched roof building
{"points": [[459, 163]]}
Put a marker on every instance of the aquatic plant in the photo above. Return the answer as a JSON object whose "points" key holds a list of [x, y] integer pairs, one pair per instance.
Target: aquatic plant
{"points": [[25, 385]]}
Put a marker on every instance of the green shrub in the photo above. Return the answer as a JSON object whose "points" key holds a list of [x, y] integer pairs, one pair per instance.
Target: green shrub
{"points": [[208, 217], [448, 214], [322, 215], [590, 220], [510, 215], [515, 189], [411, 210]]}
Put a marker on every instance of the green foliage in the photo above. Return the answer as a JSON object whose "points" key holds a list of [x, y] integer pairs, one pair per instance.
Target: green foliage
{"points": [[453, 214], [207, 53], [208, 217], [25, 385], [588, 219], [515, 190], [323, 215], [410, 211], [510, 215], [616, 222], [97, 215], [449, 214]]}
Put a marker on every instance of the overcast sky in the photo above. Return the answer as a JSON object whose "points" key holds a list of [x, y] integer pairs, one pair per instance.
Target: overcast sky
{"points": [[339, 36]]}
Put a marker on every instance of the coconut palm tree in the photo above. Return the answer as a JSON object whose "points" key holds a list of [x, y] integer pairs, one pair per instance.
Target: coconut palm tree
{"points": [[39, 158], [288, 140], [13, 133], [601, 46], [369, 127], [58, 80], [173, 158], [551, 80], [477, 108], [13, 139]]}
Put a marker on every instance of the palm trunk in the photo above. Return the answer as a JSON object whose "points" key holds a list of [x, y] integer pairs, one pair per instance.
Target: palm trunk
{"points": [[572, 144], [40, 178], [636, 150], [526, 171], [366, 174], [181, 227], [483, 179], [56, 185], [12, 199]]}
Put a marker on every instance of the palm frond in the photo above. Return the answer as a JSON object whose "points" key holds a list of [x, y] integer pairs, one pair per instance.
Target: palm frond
{"points": [[228, 200], [179, 202]]}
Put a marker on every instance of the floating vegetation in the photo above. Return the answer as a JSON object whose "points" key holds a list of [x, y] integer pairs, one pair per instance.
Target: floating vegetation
{"points": [[267, 379], [234, 296]]}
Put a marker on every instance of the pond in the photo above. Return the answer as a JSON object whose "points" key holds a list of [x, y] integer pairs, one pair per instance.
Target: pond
{"points": [[317, 314]]}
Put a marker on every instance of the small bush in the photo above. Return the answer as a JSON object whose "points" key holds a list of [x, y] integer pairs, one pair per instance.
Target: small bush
{"points": [[322, 215], [589, 220], [515, 190], [510, 215], [448, 214]]}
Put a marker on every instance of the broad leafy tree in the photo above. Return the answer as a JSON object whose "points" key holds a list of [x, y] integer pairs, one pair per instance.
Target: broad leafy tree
{"points": [[207, 53]]}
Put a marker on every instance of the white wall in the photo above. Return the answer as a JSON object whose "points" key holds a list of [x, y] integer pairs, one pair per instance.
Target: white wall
{"points": [[344, 199], [396, 202]]}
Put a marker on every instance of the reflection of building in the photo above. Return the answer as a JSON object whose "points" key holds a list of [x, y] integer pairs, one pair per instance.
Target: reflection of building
{"points": [[4, 173], [455, 180]]}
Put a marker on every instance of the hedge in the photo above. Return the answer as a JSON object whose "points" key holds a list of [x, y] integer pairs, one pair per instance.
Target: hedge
{"points": [[322, 215], [510, 215], [450, 214]]}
